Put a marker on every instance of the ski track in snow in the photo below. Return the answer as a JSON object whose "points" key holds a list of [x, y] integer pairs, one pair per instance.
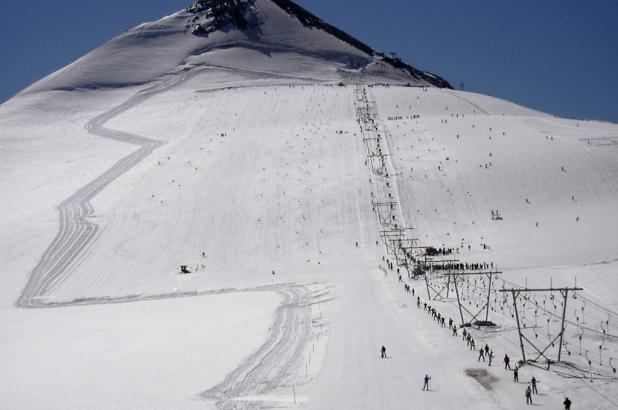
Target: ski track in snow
{"points": [[263, 371], [76, 231], [267, 368]]}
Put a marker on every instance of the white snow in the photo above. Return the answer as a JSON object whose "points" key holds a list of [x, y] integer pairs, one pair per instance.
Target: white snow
{"points": [[260, 186], [155, 354]]}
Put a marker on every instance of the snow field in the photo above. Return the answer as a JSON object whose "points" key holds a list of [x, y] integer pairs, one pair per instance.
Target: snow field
{"points": [[156, 354], [443, 153], [279, 211], [272, 178]]}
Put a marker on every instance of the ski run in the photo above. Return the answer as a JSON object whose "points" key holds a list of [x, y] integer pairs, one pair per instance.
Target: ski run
{"points": [[278, 217]]}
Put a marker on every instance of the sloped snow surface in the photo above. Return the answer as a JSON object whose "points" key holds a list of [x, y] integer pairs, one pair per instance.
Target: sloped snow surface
{"points": [[298, 180]]}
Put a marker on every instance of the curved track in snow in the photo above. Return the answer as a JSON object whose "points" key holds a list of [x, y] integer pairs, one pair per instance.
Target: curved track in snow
{"points": [[267, 368], [263, 371], [76, 230]]}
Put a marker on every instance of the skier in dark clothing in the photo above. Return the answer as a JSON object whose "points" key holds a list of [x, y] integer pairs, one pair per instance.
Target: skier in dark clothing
{"points": [[567, 404], [528, 395], [426, 384], [533, 383], [516, 375], [507, 362], [383, 351]]}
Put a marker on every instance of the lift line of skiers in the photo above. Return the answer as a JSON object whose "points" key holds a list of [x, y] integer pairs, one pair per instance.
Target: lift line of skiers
{"points": [[485, 353]]}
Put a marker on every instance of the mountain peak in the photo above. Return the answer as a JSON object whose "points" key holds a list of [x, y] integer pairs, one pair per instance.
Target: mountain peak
{"points": [[274, 37]]}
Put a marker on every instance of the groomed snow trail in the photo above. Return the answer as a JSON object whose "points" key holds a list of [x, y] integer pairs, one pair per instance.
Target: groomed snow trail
{"points": [[267, 368], [76, 231], [263, 371]]}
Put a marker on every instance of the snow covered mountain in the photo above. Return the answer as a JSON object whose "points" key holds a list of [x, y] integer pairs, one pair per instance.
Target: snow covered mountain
{"points": [[276, 36], [287, 166]]}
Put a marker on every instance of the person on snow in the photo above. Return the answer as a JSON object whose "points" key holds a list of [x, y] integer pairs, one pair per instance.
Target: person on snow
{"points": [[426, 384], [528, 395], [516, 375], [383, 351], [507, 362], [491, 356], [533, 383], [567, 404], [481, 354]]}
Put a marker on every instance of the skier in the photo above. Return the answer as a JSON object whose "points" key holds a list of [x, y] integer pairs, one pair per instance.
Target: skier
{"points": [[516, 375], [426, 384], [528, 395], [383, 351], [567, 404], [533, 383], [481, 354], [491, 357], [507, 362]]}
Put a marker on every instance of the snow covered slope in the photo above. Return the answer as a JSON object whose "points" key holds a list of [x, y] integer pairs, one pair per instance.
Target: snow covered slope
{"points": [[237, 152]]}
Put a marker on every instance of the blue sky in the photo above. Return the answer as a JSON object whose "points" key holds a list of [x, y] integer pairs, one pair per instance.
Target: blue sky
{"points": [[559, 56]]}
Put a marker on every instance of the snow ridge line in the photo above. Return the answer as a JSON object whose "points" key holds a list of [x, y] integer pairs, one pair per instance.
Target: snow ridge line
{"points": [[267, 368], [76, 230]]}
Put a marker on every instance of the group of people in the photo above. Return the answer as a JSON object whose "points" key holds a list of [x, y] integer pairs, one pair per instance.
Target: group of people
{"points": [[484, 352], [437, 316], [431, 251]]}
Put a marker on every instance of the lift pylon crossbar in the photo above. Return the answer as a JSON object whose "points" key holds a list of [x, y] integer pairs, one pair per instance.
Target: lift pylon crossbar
{"points": [[485, 306], [515, 292]]}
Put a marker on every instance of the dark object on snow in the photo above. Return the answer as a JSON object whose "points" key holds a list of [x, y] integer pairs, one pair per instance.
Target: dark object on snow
{"points": [[383, 351], [183, 269], [567, 403], [426, 382], [528, 395], [484, 323], [223, 13]]}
